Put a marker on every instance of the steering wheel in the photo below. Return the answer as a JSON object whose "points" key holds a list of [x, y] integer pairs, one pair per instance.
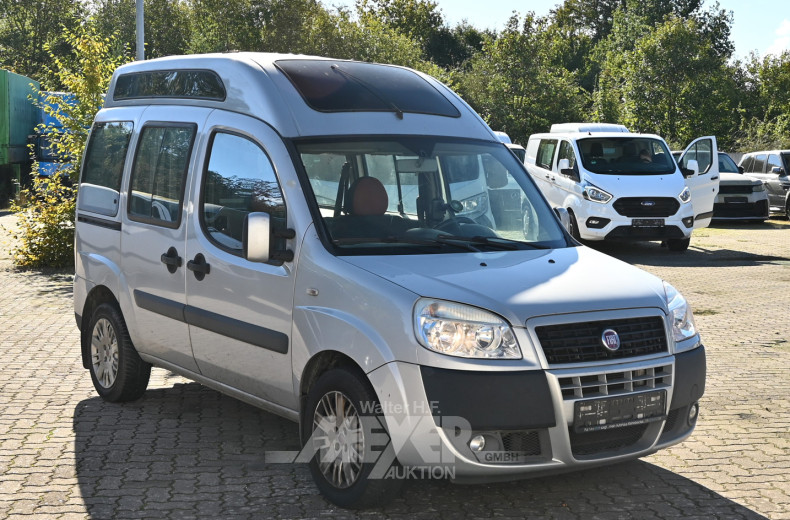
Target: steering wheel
{"points": [[453, 223]]}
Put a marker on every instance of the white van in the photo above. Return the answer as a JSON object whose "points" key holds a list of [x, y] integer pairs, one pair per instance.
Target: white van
{"points": [[617, 185], [286, 230]]}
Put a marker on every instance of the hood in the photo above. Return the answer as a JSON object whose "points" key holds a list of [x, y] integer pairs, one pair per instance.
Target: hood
{"points": [[638, 185], [727, 178], [519, 285]]}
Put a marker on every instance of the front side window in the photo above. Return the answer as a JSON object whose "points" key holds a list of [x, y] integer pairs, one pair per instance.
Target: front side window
{"points": [[566, 152], [773, 162], [726, 164], [405, 195], [702, 152], [100, 183], [546, 153], [239, 180], [156, 193], [626, 156]]}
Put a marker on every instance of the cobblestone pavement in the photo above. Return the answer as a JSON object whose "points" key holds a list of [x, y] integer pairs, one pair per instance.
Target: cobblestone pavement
{"points": [[184, 451]]}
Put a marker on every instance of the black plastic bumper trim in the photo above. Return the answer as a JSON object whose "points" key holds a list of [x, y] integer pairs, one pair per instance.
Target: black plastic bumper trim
{"points": [[491, 400], [690, 370]]}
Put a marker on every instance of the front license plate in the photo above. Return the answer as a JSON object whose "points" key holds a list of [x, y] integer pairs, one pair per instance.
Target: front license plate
{"points": [[647, 222], [617, 412], [736, 200]]}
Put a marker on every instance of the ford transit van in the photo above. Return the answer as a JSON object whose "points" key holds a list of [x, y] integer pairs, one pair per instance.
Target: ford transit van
{"points": [[290, 231], [617, 185]]}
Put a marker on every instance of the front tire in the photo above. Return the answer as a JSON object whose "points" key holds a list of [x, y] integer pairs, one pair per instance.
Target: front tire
{"points": [[342, 420], [678, 244], [117, 372]]}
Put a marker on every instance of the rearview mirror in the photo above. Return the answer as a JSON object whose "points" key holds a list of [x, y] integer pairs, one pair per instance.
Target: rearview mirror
{"points": [[256, 237]]}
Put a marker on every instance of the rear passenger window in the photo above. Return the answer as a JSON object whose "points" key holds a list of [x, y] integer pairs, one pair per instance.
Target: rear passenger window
{"points": [[101, 176], [546, 153], [239, 180], [160, 167]]}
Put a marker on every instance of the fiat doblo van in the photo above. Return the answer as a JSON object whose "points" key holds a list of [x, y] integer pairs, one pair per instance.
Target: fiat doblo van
{"points": [[286, 230], [617, 185]]}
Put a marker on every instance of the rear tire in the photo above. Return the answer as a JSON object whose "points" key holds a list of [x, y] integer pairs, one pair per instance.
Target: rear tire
{"points": [[117, 372], [342, 423], [678, 244]]}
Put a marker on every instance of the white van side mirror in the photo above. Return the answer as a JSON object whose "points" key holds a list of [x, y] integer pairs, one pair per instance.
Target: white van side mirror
{"points": [[256, 237], [564, 217], [691, 169], [563, 164]]}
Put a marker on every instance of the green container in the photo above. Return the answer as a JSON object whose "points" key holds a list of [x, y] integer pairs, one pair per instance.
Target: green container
{"points": [[18, 119]]}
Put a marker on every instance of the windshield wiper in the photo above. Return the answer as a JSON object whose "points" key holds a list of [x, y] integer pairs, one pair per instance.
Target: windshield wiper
{"points": [[496, 242], [402, 240]]}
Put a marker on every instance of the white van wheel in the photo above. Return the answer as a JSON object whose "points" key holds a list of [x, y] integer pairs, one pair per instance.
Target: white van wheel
{"points": [[678, 244], [574, 226], [117, 372], [342, 424]]}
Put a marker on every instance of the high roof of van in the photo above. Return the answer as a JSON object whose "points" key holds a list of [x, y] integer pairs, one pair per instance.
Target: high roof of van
{"points": [[301, 96], [587, 127]]}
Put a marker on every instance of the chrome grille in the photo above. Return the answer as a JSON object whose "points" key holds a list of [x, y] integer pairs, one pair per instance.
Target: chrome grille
{"points": [[615, 383]]}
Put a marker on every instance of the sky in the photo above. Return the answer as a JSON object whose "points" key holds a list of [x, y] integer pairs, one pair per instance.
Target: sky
{"points": [[761, 26]]}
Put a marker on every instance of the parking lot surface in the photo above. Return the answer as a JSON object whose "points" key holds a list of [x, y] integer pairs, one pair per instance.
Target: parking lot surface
{"points": [[184, 451]]}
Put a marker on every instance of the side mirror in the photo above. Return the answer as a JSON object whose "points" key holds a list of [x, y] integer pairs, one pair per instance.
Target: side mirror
{"points": [[564, 217], [563, 164], [740, 169], [691, 169], [256, 237], [777, 169]]}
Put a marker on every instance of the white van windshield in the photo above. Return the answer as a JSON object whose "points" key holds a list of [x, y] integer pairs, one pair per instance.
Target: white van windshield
{"points": [[412, 195], [626, 156]]}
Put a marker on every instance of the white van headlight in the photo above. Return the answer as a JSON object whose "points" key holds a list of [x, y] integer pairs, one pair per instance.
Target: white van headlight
{"points": [[463, 331], [596, 194], [683, 327], [685, 195]]}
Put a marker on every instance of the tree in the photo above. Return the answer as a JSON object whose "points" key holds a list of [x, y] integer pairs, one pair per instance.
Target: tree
{"points": [[673, 83], [765, 101], [46, 211], [515, 86], [167, 29], [29, 32]]}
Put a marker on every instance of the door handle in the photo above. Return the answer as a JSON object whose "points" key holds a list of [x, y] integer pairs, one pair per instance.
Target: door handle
{"points": [[714, 178], [199, 266], [171, 260]]}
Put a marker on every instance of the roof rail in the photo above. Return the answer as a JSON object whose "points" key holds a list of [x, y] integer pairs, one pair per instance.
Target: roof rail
{"points": [[587, 127]]}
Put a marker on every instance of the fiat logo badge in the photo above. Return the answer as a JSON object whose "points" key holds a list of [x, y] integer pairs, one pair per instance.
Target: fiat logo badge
{"points": [[610, 340]]}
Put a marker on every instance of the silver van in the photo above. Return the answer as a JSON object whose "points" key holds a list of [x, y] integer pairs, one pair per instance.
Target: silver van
{"points": [[288, 230]]}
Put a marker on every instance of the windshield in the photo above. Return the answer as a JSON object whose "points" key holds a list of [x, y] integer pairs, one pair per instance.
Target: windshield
{"points": [[726, 164], [408, 195], [626, 156]]}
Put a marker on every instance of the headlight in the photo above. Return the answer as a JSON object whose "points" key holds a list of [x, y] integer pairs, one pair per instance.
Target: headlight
{"points": [[596, 194], [474, 205], [685, 195], [683, 326], [758, 187], [463, 331]]}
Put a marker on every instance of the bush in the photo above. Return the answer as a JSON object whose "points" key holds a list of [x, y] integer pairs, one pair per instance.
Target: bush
{"points": [[45, 220]]}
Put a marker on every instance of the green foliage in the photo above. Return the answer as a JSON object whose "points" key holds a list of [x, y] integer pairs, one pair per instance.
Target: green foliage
{"points": [[514, 85], [46, 210], [45, 220]]}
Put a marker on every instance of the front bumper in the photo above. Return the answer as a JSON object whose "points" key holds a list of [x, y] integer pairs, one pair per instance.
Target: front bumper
{"points": [[526, 418]]}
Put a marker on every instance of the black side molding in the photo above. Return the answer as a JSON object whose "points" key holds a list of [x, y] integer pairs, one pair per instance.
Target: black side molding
{"points": [[101, 222], [701, 216], [159, 305], [491, 400], [230, 327]]}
